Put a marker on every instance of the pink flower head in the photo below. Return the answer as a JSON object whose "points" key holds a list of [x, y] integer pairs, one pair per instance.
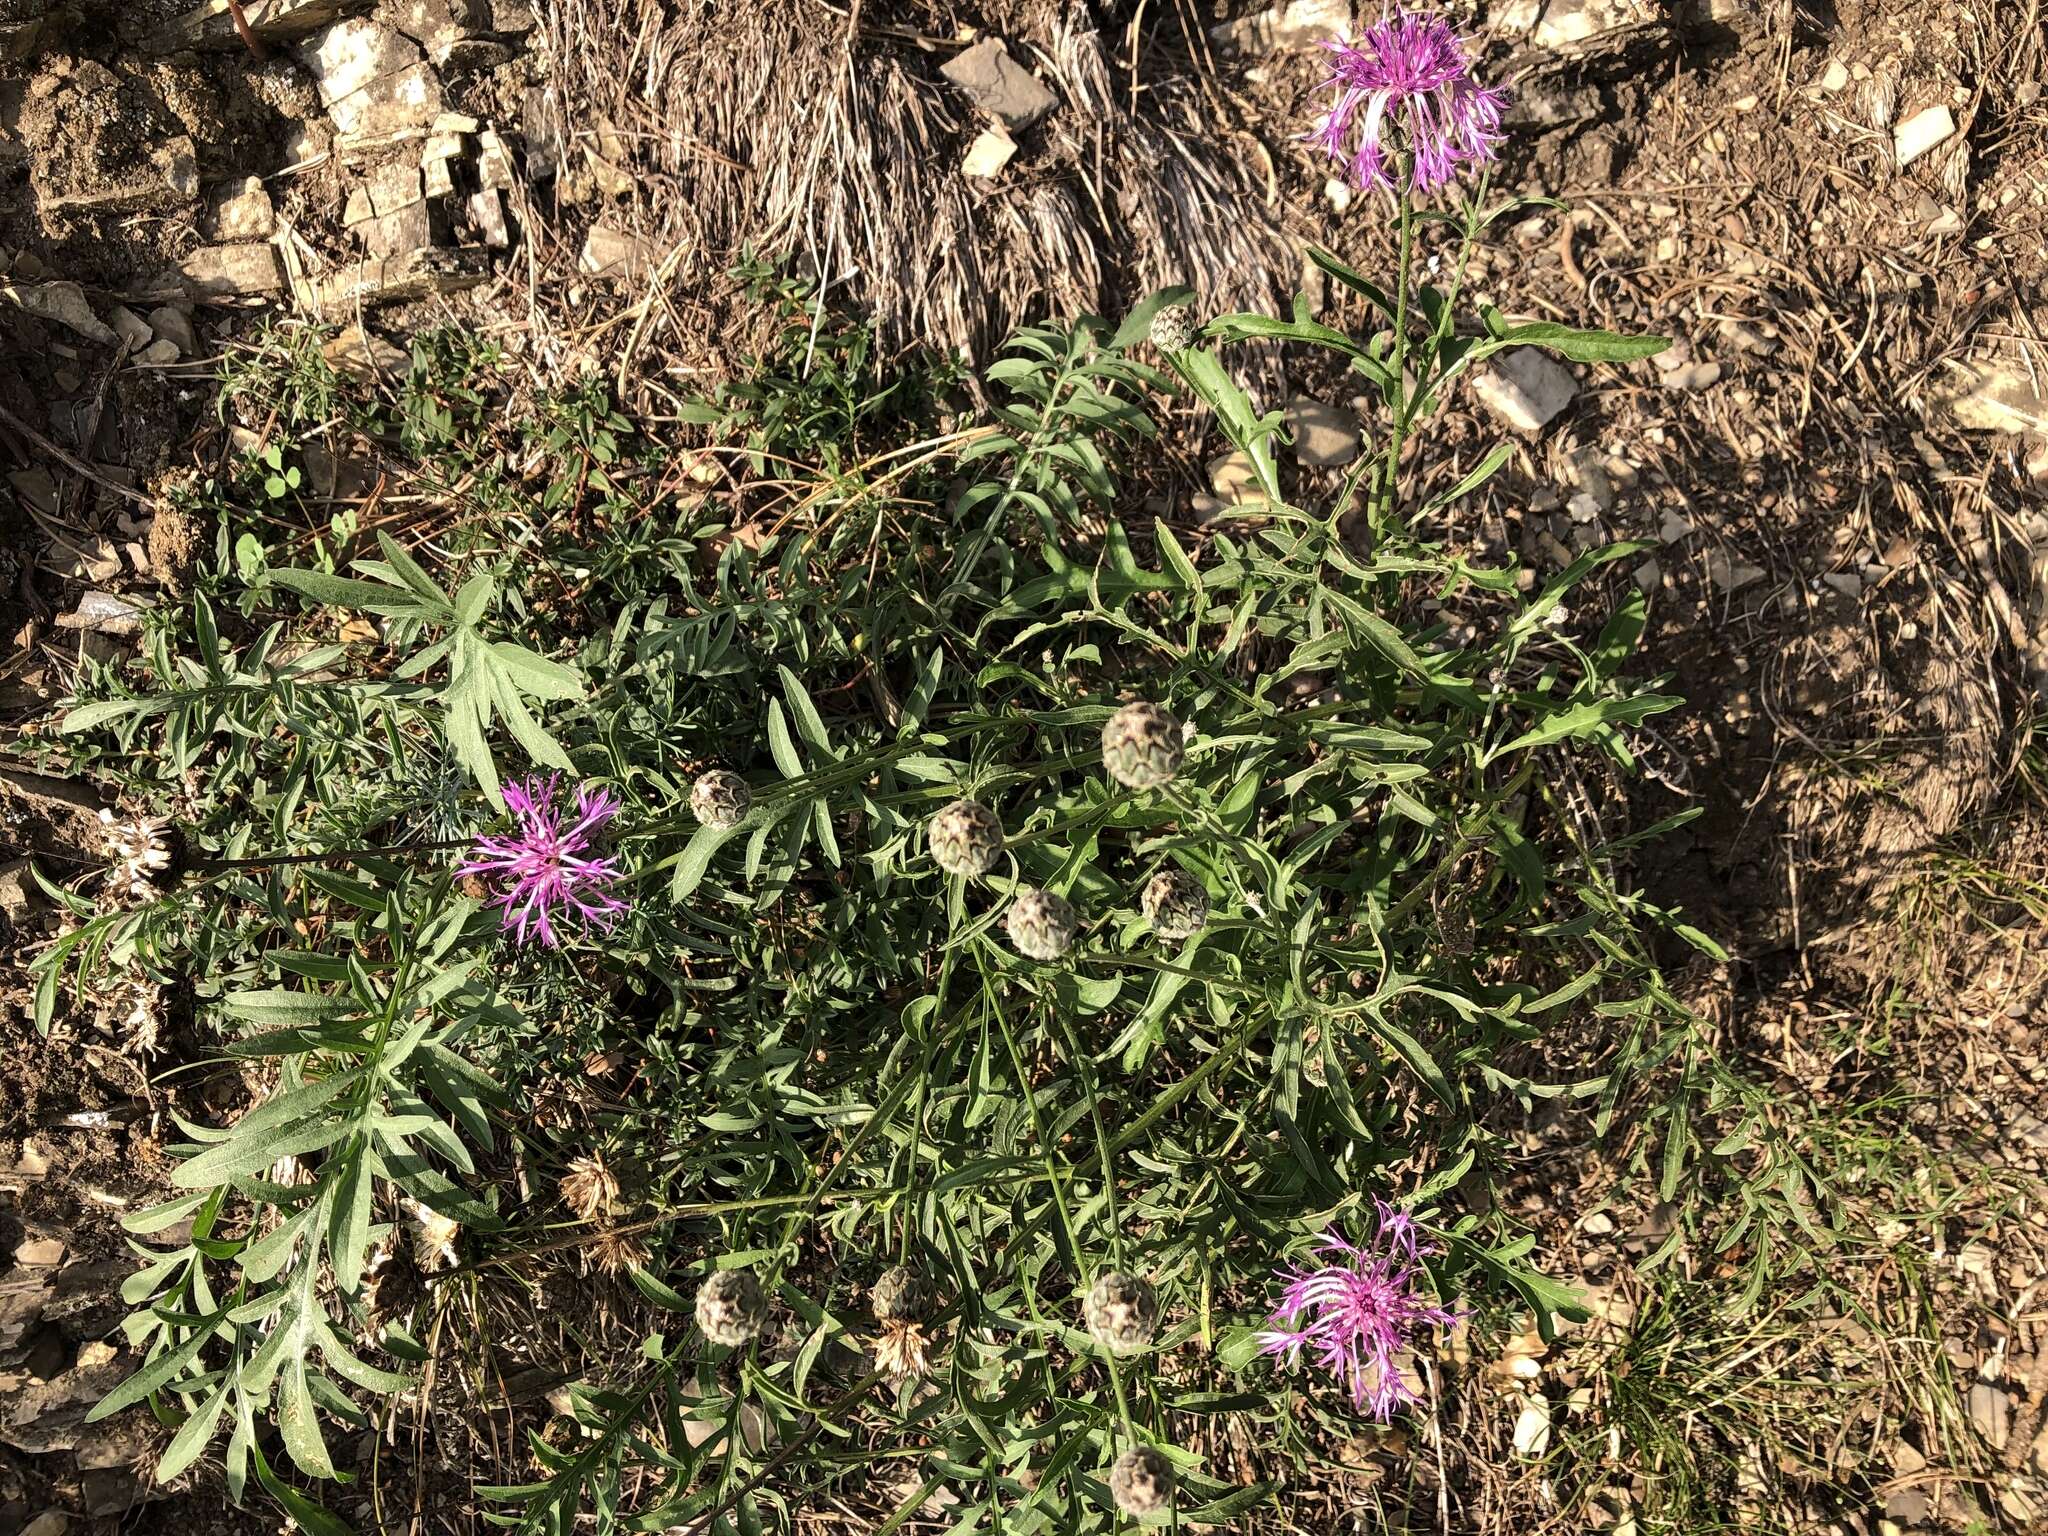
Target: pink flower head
{"points": [[1414, 68], [1356, 1314], [547, 863]]}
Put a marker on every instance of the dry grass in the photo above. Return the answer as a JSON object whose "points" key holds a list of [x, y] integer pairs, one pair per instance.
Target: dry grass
{"points": [[829, 138]]}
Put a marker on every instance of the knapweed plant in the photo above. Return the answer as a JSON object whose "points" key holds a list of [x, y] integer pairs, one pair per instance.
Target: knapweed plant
{"points": [[1050, 970]]}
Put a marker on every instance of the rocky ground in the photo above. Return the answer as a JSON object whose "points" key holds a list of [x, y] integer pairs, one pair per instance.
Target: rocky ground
{"points": [[1839, 211]]}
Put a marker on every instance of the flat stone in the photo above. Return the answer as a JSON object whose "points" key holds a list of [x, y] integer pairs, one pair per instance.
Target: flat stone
{"points": [[1728, 573], [215, 272], [158, 353], [436, 178], [1561, 23], [1280, 28], [493, 162], [1325, 436], [998, 85], [365, 355], [1525, 390], [609, 252], [1847, 583], [487, 212], [1691, 376], [1999, 397], [62, 304], [1922, 132], [1908, 1506], [39, 1253], [130, 326], [1836, 78], [243, 211], [393, 187], [173, 324], [1234, 478], [21, 39], [109, 614], [988, 154], [19, 896], [178, 159], [51, 1522], [272, 21], [438, 23], [1587, 470], [372, 80], [1991, 1411], [441, 146], [396, 280]]}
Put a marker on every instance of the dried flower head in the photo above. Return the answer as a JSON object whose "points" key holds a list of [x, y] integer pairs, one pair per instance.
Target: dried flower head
{"points": [[731, 1308], [1413, 70], [721, 798], [1173, 328], [589, 1188], [903, 1351], [1356, 1314], [136, 1014], [902, 1295], [1122, 1312], [433, 1237], [1175, 904], [1141, 1482], [617, 1253], [547, 861], [136, 855], [1142, 746], [391, 1286], [965, 838], [1040, 923]]}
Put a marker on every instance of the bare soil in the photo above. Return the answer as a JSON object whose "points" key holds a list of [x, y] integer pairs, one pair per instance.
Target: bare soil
{"points": [[1846, 580]]}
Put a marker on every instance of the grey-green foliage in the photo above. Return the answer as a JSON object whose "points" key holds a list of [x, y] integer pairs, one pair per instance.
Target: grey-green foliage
{"points": [[836, 1043], [370, 1087]]}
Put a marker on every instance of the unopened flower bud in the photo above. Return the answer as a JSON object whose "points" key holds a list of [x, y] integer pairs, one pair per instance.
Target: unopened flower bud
{"points": [[1142, 746]]}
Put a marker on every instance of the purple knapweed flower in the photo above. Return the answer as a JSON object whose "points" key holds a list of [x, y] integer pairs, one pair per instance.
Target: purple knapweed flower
{"points": [[1355, 1315], [1412, 68], [547, 863]]}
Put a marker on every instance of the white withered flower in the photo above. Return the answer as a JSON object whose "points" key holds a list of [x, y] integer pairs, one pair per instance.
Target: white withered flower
{"points": [[433, 1237], [136, 855]]}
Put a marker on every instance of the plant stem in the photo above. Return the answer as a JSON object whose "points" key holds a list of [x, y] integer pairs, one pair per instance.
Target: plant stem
{"points": [[1390, 479]]}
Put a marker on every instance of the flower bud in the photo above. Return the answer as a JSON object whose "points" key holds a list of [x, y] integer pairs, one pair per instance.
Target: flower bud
{"points": [[1040, 924], [1122, 1312], [965, 838], [730, 1307], [1141, 1482], [900, 1296], [721, 798], [1141, 746], [1173, 328], [1175, 904]]}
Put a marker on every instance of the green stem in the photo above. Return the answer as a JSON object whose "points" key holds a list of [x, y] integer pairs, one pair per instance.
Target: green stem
{"points": [[1391, 477]]}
